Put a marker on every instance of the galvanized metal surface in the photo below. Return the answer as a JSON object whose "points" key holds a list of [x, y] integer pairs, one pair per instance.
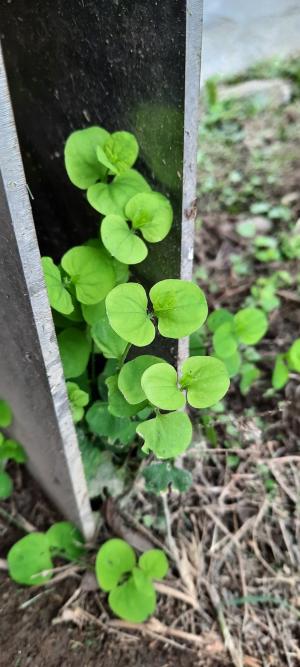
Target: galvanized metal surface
{"points": [[31, 376]]}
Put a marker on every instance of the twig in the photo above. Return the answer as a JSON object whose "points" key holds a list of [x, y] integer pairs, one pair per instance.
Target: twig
{"points": [[17, 521], [175, 593], [235, 653]]}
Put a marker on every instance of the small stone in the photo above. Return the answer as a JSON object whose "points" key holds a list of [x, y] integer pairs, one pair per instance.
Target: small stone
{"points": [[266, 92]]}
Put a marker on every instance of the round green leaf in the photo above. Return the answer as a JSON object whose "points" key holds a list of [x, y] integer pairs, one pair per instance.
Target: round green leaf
{"points": [[293, 357], [63, 537], [74, 348], [152, 214], [112, 197], [82, 164], [121, 241], [114, 559], [94, 312], [154, 563], [130, 376], [166, 435], [250, 325], [107, 340], [218, 317], [6, 485], [91, 272], [180, 307], [224, 342], [29, 558], [117, 404], [159, 383], [132, 602], [119, 152], [126, 307], [11, 449], [59, 297], [280, 373], [206, 380], [5, 414]]}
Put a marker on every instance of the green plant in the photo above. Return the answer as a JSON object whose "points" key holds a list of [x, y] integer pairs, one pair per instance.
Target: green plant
{"points": [[286, 363], [98, 312], [30, 560], [132, 594], [231, 337], [10, 450]]}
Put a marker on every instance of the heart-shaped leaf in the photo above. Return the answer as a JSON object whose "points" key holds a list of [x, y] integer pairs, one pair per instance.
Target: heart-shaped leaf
{"points": [[112, 197], [159, 383], [166, 435], [152, 214], [132, 602], [59, 297], [130, 377], [82, 164], [154, 563], [74, 348], [63, 537], [126, 307], [91, 272], [5, 414], [250, 325], [117, 404], [114, 559], [121, 241], [119, 152], [180, 307], [6, 485], [29, 558], [206, 380], [107, 340]]}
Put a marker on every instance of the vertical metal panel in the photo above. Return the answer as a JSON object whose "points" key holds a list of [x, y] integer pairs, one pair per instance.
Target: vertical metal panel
{"points": [[31, 376]]}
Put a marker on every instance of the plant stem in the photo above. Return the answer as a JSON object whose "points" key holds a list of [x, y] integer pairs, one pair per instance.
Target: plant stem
{"points": [[124, 355]]}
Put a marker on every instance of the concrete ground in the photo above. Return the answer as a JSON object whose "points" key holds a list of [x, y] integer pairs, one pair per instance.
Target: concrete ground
{"points": [[238, 33]]}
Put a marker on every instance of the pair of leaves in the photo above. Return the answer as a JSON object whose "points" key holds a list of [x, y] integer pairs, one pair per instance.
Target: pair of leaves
{"points": [[150, 213], [91, 272], [204, 378], [111, 198], [180, 307], [30, 559], [78, 399], [89, 153], [133, 599], [248, 326]]}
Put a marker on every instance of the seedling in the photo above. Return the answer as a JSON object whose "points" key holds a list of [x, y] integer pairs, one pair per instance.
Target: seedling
{"points": [[30, 560], [132, 594]]}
